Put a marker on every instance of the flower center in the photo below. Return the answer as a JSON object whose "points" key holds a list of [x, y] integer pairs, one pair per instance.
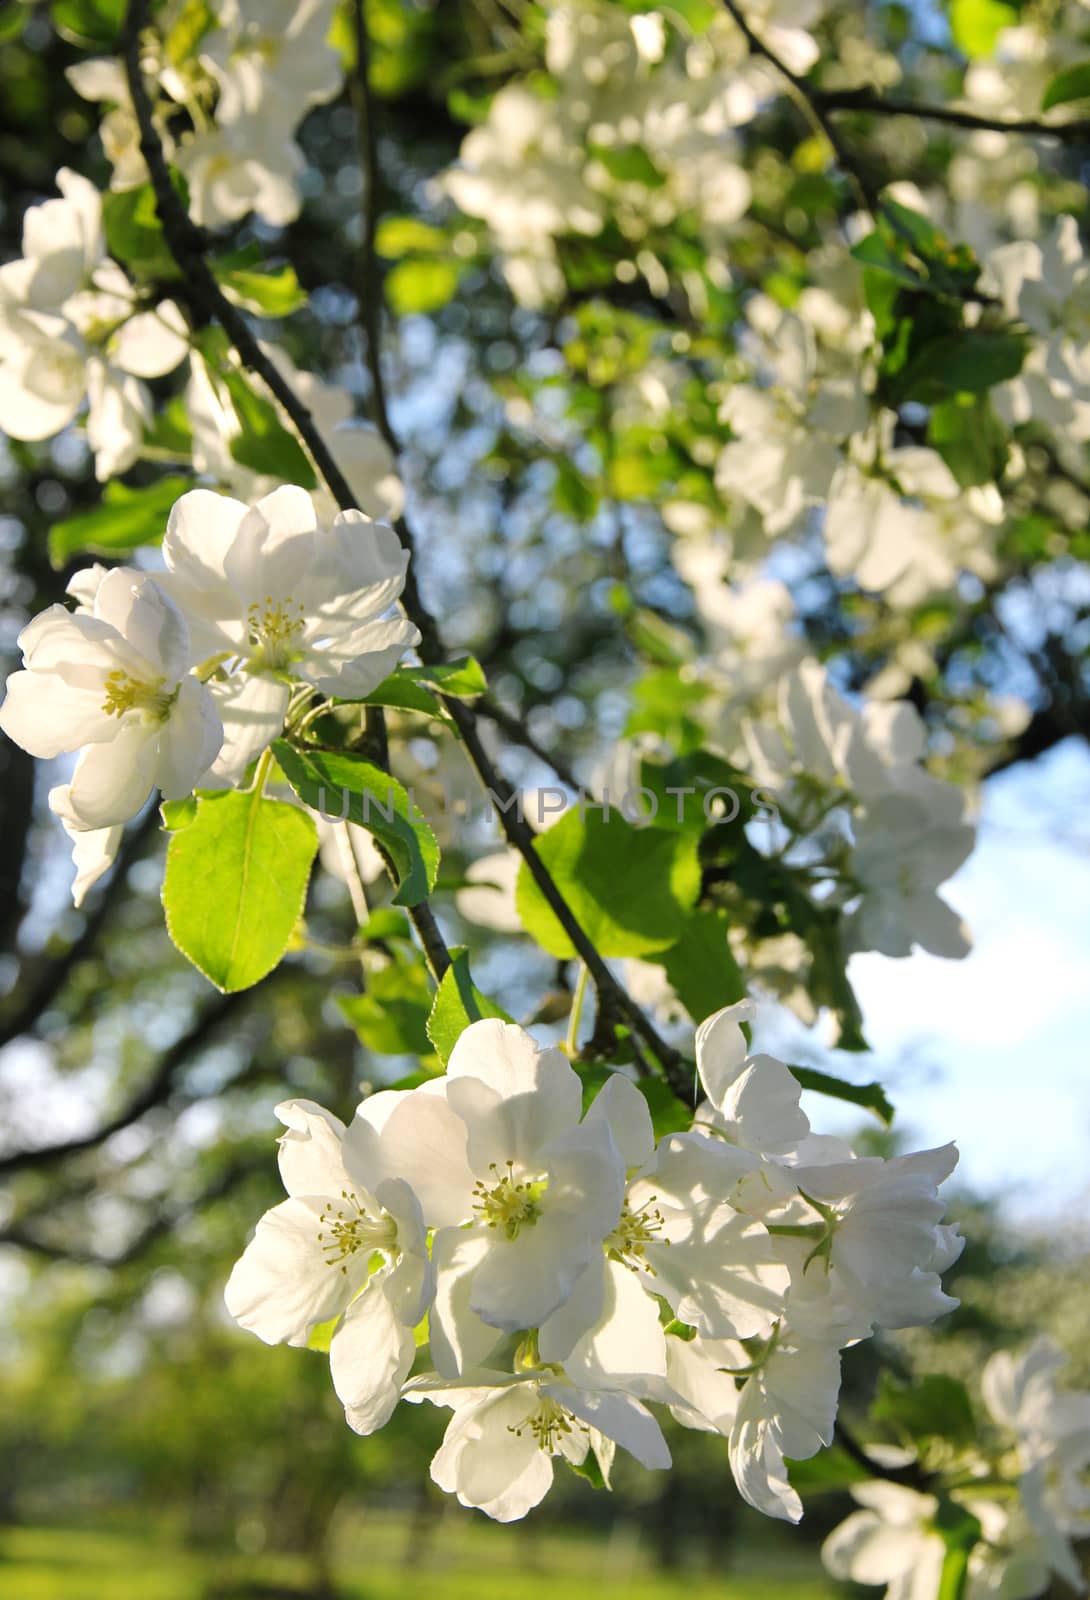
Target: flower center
{"points": [[508, 1204], [636, 1230], [348, 1229], [57, 371], [548, 1421], [273, 625], [124, 693]]}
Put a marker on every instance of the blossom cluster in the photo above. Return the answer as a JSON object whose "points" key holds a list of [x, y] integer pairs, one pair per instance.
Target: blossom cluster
{"points": [[180, 679], [73, 329], [1030, 1503], [548, 1273], [242, 84]]}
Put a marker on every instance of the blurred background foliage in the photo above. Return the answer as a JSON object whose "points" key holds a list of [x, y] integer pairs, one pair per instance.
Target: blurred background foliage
{"points": [[135, 1107]]}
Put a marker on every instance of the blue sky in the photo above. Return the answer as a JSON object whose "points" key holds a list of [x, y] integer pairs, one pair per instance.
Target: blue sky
{"points": [[993, 1050]]}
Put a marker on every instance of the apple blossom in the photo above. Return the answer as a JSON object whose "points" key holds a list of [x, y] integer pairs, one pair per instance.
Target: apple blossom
{"points": [[111, 679], [499, 1447], [72, 328], [286, 598], [338, 1249], [507, 1174]]}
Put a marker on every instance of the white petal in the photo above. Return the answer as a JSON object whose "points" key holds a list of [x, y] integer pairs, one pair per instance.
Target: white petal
{"points": [[283, 1286], [111, 781], [152, 343], [627, 1347], [459, 1339], [619, 1417], [721, 1048], [190, 740], [535, 1093], [311, 1156], [424, 1142], [369, 1358], [46, 716], [628, 1118], [252, 709]]}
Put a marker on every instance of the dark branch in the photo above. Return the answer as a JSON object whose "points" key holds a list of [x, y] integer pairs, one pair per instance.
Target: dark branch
{"points": [[1077, 131], [188, 245], [165, 1222], [42, 993], [154, 1092], [812, 107], [516, 730]]}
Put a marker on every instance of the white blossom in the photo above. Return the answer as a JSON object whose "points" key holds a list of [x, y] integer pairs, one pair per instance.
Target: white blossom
{"points": [[111, 679], [72, 328], [341, 1249], [287, 598], [507, 1429]]}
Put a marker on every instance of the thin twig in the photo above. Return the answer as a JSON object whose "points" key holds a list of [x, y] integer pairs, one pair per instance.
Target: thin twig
{"points": [[516, 730], [369, 296], [40, 995], [812, 108], [1077, 131], [154, 1092]]}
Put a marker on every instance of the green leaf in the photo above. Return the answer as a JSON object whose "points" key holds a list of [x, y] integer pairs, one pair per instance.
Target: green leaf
{"points": [[177, 814], [934, 1407], [970, 438], [977, 24], [124, 520], [236, 879], [830, 1470], [421, 285], [321, 1335], [401, 691], [1071, 84], [264, 445], [390, 1017], [871, 1096], [169, 429], [629, 888], [189, 27], [464, 679], [385, 924], [628, 163], [13, 18], [266, 294], [701, 967], [134, 234], [458, 1002], [962, 363], [954, 1578], [400, 236], [668, 1113], [90, 24], [590, 1469], [350, 789]]}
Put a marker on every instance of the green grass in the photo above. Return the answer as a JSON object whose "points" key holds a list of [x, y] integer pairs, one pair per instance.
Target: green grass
{"points": [[461, 1563]]}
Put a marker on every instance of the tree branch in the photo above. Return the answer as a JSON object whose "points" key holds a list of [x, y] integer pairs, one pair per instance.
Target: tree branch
{"points": [[515, 729], [154, 1092], [188, 244], [369, 296], [40, 995], [1077, 131], [165, 1222], [812, 107]]}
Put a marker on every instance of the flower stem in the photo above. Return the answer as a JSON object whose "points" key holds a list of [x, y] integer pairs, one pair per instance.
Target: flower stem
{"points": [[575, 1015]]}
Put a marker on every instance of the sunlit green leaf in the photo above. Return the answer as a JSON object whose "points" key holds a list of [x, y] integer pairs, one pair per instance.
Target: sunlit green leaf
{"points": [[236, 878], [349, 789], [458, 1002], [122, 522]]}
